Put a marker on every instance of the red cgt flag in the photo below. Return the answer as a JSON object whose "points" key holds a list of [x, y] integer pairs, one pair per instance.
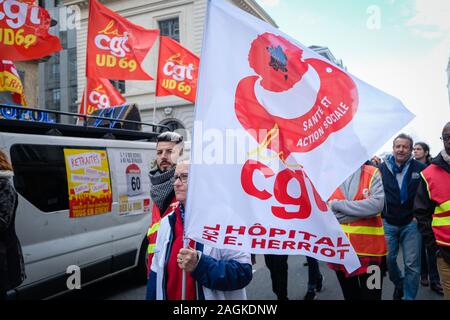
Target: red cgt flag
{"points": [[115, 46], [177, 70], [24, 31], [102, 95], [10, 81]]}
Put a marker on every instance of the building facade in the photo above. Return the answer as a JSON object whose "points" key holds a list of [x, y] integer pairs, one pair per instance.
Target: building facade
{"points": [[183, 21], [58, 74]]}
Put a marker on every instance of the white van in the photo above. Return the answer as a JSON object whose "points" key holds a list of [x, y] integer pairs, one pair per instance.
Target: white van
{"points": [[56, 237]]}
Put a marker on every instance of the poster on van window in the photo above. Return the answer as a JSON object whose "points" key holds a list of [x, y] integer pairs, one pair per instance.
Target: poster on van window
{"points": [[89, 182], [131, 168]]}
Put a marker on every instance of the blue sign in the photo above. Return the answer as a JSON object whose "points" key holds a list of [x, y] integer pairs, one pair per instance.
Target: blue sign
{"points": [[17, 113]]}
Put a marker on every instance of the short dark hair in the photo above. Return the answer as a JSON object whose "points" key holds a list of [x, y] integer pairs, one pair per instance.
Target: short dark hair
{"points": [[425, 148], [406, 137], [170, 136]]}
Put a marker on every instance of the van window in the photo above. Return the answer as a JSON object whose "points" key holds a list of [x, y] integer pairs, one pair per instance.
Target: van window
{"points": [[40, 176]]}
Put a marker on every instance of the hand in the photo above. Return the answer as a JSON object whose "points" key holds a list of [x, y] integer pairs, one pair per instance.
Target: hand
{"points": [[187, 259]]}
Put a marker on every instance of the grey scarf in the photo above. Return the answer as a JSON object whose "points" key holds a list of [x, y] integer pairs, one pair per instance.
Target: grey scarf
{"points": [[445, 156], [162, 188]]}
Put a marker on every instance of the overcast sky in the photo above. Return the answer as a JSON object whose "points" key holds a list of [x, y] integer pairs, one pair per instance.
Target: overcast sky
{"points": [[399, 46]]}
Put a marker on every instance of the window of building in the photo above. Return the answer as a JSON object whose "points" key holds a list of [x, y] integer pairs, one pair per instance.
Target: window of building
{"points": [[56, 95], [119, 85], [72, 57], [170, 28], [53, 71], [40, 176], [174, 126], [63, 39]]}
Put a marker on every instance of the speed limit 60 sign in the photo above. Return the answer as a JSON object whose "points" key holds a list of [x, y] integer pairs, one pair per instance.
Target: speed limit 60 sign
{"points": [[133, 173]]}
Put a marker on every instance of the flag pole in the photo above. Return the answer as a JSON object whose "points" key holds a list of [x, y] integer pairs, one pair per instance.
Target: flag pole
{"points": [[183, 278], [83, 98], [154, 107], [85, 102], [156, 80]]}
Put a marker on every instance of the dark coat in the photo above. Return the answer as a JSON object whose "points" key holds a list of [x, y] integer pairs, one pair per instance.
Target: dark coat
{"points": [[395, 212], [424, 209], [12, 271]]}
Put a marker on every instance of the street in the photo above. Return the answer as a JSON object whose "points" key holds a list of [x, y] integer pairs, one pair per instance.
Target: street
{"points": [[122, 288]]}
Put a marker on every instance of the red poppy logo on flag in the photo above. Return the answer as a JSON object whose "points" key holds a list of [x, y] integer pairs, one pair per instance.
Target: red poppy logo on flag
{"points": [[115, 46], [24, 32], [177, 70], [280, 68], [102, 95]]}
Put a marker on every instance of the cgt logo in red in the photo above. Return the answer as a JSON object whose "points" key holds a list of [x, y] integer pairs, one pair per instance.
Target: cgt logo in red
{"points": [[280, 190], [280, 68]]}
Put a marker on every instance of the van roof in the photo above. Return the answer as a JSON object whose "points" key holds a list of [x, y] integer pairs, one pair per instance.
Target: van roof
{"points": [[16, 123]]}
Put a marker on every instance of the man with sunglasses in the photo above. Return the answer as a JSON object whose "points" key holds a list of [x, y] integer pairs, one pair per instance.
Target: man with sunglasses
{"points": [[211, 274], [432, 209]]}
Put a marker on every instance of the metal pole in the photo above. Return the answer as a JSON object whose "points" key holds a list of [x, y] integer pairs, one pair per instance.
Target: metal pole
{"points": [[154, 110], [183, 278], [156, 79]]}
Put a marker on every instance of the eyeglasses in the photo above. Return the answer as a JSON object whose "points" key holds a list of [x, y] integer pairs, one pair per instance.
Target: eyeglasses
{"points": [[183, 178], [445, 138]]}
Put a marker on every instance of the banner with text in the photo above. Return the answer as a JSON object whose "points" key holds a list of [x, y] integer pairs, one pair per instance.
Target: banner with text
{"points": [[131, 168], [102, 95], [177, 70], [116, 47], [299, 123], [24, 31], [88, 181]]}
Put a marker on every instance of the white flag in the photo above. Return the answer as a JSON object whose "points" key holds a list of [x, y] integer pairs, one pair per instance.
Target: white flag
{"points": [[269, 111]]}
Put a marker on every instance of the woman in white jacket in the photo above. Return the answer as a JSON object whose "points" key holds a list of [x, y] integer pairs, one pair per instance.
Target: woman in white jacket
{"points": [[211, 274]]}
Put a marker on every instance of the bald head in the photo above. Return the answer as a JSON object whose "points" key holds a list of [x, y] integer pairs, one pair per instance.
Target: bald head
{"points": [[446, 137]]}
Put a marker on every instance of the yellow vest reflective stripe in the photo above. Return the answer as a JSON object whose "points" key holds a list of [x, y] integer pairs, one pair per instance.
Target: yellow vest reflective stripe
{"points": [[378, 231], [151, 248], [443, 207], [440, 221], [365, 235], [442, 243], [153, 228], [438, 187]]}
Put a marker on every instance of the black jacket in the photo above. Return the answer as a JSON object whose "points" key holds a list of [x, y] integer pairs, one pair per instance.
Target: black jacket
{"points": [[12, 271], [424, 209], [395, 212]]}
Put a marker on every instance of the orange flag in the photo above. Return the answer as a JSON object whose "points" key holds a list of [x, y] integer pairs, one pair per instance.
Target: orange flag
{"points": [[177, 70], [10, 81], [24, 31], [115, 46], [101, 95]]}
